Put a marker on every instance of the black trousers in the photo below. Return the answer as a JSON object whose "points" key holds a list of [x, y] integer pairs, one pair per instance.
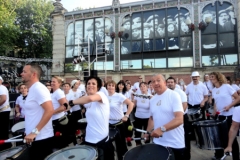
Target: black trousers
{"points": [[178, 153], [41, 149], [4, 125], [235, 147], [187, 151], [140, 123], [120, 141], [76, 115]]}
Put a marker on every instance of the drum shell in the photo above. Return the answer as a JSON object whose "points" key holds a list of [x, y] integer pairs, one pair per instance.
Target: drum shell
{"points": [[149, 151], [22, 154], [211, 134], [194, 114]]}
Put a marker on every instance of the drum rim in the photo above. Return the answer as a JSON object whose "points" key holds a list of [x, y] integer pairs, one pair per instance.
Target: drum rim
{"points": [[169, 153], [68, 148], [208, 125], [22, 146]]}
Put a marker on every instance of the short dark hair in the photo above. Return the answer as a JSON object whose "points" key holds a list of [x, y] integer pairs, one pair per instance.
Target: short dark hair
{"points": [[149, 82], [99, 82], [142, 83], [67, 84], [172, 79], [35, 68]]}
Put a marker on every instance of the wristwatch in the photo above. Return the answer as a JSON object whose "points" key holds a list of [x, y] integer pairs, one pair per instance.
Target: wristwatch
{"points": [[126, 115], [35, 131], [163, 129], [71, 103]]}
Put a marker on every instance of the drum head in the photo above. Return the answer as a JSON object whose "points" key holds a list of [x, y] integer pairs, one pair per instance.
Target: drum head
{"points": [[18, 126], [192, 111], [9, 152], [148, 151], [84, 120], [74, 153]]}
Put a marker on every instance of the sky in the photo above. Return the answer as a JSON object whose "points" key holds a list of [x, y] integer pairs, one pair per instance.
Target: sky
{"points": [[72, 4]]}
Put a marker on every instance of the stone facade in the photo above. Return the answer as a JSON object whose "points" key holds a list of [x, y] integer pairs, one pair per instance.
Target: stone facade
{"points": [[61, 18]]}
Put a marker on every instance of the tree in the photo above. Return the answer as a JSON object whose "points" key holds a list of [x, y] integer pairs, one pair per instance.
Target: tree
{"points": [[33, 19], [8, 30]]}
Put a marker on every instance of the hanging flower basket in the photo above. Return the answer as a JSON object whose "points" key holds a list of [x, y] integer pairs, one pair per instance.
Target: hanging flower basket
{"points": [[202, 26], [112, 35], [120, 34], [191, 27]]}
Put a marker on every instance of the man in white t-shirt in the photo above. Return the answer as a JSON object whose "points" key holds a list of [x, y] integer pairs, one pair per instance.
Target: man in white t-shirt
{"points": [[4, 115], [38, 109], [234, 129], [136, 88], [171, 84], [209, 86], [166, 120]]}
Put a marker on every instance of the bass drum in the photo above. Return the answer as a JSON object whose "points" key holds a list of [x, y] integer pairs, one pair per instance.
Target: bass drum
{"points": [[74, 153], [16, 153], [149, 151]]}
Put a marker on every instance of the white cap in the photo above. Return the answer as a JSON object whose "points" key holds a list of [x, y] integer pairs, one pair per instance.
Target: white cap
{"points": [[195, 74], [1, 79], [73, 82]]}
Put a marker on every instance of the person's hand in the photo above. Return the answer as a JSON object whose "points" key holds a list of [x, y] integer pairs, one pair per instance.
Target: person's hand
{"points": [[146, 136], [226, 108], [157, 133], [124, 119], [228, 149], [202, 104], [210, 101], [18, 114], [30, 138]]}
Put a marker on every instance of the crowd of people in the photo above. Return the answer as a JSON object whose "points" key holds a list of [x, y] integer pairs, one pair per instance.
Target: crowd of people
{"points": [[159, 106]]}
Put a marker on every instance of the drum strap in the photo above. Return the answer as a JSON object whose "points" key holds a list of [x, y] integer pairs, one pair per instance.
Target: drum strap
{"points": [[2, 109]]}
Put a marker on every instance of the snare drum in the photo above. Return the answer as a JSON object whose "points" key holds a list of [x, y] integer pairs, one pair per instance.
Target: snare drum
{"points": [[16, 153], [82, 123], [194, 114], [211, 134], [74, 153], [18, 128], [149, 151]]}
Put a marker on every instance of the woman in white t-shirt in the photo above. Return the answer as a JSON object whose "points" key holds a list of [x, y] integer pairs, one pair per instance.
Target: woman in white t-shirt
{"points": [[142, 103], [150, 89], [20, 102], [222, 94], [58, 99], [97, 116], [117, 117]]}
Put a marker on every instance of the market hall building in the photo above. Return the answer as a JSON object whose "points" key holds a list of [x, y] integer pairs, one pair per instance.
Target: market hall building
{"points": [[125, 41]]}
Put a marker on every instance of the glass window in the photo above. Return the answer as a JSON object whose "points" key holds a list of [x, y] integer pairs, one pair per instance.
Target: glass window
{"points": [[227, 40], [148, 45], [125, 48], [183, 19], [89, 30], [78, 32], [160, 63], [99, 30], [136, 26], [186, 61], [136, 46], [172, 22], [109, 47], [159, 24], [173, 62], [226, 17], [131, 64], [148, 25], [126, 28], [211, 60], [209, 41], [160, 44], [173, 43], [229, 59], [148, 63], [69, 67], [208, 19], [72, 51], [100, 65], [70, 35], [185, 43]]}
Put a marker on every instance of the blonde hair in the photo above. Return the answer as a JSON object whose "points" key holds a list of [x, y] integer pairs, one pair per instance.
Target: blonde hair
{"points": [[59, 79], [111, 82], [220, 77]]}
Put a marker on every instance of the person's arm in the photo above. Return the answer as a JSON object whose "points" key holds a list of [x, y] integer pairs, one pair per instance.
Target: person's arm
{"points": [[47, 115], [87, 99], [204, 100], [129, 110], [17, 110], [232, 135], [185, 105], [61, 108], [3, 99], [236, 101]]}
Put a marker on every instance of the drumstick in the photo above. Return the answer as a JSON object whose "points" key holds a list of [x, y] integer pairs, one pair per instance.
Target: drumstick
{"points": [[58, 134], [10, 141], [129, 139], [15, 137], [131, 128]]}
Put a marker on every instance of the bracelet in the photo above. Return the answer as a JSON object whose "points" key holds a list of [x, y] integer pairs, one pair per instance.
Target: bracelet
{"points": [[71, 103], [126, 115]]}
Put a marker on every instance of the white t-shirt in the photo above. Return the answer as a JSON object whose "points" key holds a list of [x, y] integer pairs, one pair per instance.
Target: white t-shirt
{"points": [[209, 86], [57, 95], [151, 91], [82, 87], [21, 102], [116, 107], [177, 86], [235, 87], [236, 113], [162, 108], [127, 95], [136, 87], [97, 115], [142, 107], [196, 93], [37, 95], [75, 95], [183, 96], [4, 91], [223, 97], [104, 90]]}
